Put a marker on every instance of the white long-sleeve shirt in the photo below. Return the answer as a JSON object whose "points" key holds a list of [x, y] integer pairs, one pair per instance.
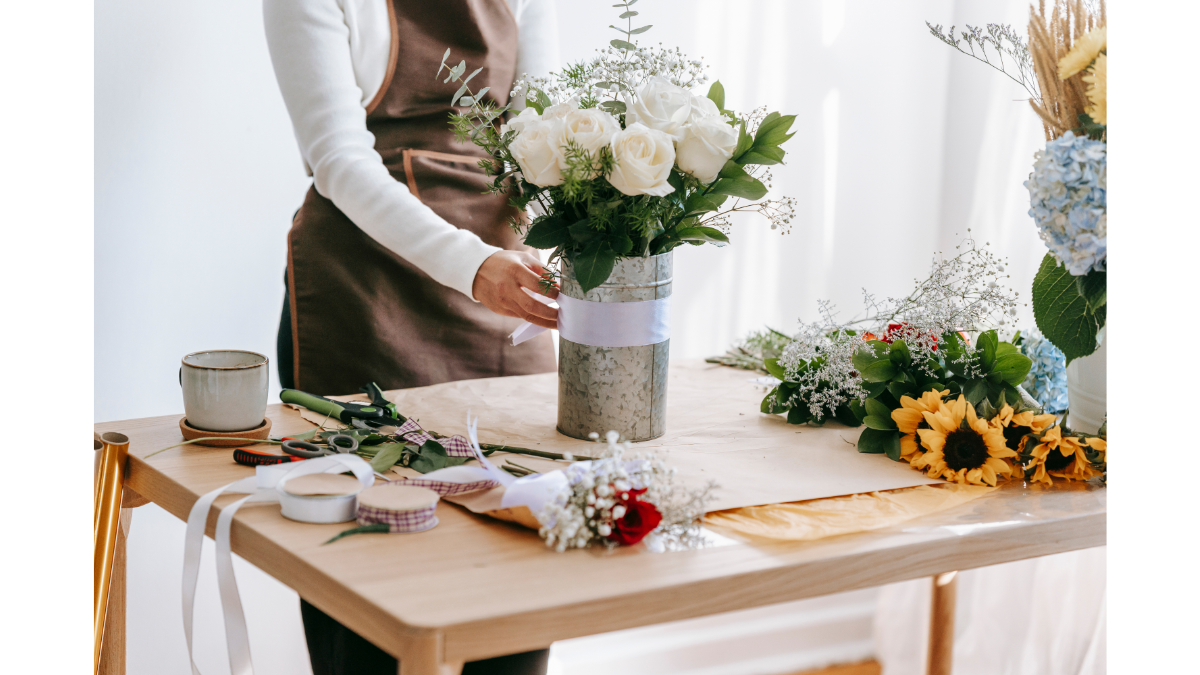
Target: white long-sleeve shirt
{"points": [[330, 58]]}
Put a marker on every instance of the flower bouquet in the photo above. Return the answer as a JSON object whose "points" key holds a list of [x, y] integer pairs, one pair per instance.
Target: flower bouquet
{"points": [[1064, 67], [621, 163]]}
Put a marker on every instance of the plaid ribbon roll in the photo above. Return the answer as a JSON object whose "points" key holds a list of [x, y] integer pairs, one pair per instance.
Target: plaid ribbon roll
{"points": [[417, 520], [456, 446], [446, 488]]}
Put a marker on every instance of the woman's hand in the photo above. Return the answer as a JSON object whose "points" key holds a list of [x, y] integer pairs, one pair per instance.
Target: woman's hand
{"points": [[498, 285]]}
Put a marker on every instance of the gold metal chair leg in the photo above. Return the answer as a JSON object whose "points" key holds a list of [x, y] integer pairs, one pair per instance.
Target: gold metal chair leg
{"points": [[941, 624], [110, 480]]}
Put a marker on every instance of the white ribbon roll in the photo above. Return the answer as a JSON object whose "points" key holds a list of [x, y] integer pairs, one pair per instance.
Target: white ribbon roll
{"points": [[606, 324], [263, 487]]}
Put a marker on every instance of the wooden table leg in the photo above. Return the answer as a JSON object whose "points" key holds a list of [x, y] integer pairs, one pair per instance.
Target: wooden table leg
{"points": [[941, 624], [112, 651], [424, 657]]}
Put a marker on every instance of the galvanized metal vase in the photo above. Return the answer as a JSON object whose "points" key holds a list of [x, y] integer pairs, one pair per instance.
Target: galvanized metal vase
{"points": [[621, 389]]}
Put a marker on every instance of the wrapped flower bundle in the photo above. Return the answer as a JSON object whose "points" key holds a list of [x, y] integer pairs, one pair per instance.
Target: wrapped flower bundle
{"points": [[619, 158]]}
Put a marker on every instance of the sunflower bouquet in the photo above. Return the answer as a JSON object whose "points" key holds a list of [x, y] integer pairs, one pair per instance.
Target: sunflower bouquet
{"points": [[619, 158]]}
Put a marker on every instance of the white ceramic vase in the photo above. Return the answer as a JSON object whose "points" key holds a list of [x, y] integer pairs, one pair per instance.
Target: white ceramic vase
{"points": [[1087, 389]]}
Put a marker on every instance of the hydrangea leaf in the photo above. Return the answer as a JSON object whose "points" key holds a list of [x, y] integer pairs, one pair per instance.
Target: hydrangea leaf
{"points": [[1062, 314], [1093, 286]]}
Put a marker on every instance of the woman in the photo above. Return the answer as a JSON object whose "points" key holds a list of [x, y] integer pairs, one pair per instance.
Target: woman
{"points": [[401, 271]]}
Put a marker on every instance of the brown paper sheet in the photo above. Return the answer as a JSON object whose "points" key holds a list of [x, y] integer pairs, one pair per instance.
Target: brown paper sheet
{"points": [[819, 518], [714, 432]]}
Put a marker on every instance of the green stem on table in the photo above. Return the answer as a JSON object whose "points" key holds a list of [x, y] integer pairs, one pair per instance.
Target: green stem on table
{"points": [[213, 438], [523, 468]]}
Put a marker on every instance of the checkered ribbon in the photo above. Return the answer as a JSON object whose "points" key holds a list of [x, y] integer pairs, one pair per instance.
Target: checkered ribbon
{"points": [[456, 446], [446, 488], [417, 520]]}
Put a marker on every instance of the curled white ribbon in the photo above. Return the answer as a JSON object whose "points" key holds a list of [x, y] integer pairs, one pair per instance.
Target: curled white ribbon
{"points": [[262, 487]]}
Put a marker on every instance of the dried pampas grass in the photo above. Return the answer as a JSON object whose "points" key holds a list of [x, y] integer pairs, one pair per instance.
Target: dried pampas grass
{"points": [[1050, 38]]}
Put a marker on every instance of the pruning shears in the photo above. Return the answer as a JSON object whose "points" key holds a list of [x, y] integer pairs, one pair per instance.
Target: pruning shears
{"points": [[378, 413]]}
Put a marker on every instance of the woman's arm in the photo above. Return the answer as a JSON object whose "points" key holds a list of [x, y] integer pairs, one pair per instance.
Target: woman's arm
{"points": [[310, 50]]}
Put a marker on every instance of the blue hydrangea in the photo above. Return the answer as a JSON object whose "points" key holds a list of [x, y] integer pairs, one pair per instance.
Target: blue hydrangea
{"points": [[1067, 199], [1047, 381]]}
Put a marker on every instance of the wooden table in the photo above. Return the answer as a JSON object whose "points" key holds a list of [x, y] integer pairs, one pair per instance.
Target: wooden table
{"points": [[475, 588]]}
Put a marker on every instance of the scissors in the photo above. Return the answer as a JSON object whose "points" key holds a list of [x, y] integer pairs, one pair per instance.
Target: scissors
{"points": [[337, 444]]}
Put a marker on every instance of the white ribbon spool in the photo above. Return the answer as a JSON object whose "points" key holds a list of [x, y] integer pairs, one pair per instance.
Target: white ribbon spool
{"points": [[263, 487]]}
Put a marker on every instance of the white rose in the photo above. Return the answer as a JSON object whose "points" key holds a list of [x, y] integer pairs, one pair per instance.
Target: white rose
{"points": [[644, 158], [590, 129], [528, 116], [534, 150], [706, 145], [702, 107], [560, 110], [662, 106]]}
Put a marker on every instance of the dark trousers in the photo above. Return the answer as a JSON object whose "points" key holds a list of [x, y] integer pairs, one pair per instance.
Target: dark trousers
{"points": [[334, 649]]}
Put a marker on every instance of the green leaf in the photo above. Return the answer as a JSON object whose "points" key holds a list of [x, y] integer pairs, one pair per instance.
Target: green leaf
{"points": [[594, 264], [716, 94], [362, 529], [701, 233], [877, 409], [899, 389], [881, 423], [762, 155], [1093, 286], [856, 407], [698, 203], [746, 188], [987, 344], [537, 99], [623, 45], [745, 140], [798, 415], [882, 370], [863, 358], [582, 232], [846, 416], [975, 391], [765, 406], [874, 389], [1013, 368], [548, 232], [387, 456], [1006, 348], [732, 170], [774, 131], [1062, 314], [776, 370], [899, 353], [613, 107], [877, 442], [639, 31], [627, 15]]}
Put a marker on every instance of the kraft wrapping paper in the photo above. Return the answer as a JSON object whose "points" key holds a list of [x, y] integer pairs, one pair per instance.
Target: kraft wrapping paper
{"points": [[819, 518], [714, 432]]}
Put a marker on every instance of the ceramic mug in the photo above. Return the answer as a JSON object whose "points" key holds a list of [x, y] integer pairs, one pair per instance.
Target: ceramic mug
{"points": [[224, 389]]}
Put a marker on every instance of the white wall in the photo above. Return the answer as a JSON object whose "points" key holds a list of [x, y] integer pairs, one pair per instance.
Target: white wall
{"points": [[197, 177]]}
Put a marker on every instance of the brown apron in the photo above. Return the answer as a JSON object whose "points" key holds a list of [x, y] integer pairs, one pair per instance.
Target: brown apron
{"points": [[361, 313]]}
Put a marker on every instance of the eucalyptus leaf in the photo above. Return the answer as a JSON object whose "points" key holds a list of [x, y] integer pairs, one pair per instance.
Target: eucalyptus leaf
{"points": [[639, 31], [613, 107], [623, 45], [627, 15]]}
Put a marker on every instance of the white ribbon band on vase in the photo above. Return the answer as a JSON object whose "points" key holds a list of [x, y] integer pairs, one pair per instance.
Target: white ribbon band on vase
{"points": [[605, 324]]}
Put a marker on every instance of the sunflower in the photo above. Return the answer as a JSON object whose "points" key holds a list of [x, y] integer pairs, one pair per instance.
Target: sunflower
{"points": [[1061, 457], [961, 447], [910, 416], [1085, 50], [1015, 425], [1097, 93]]}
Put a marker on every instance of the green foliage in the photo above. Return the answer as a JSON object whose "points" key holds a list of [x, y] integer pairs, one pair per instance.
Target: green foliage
{"points": [[753, 352], [987, 374], [1064, 315]]}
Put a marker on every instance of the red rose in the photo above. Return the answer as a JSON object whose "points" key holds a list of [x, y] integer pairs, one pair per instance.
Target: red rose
{"points": [[900, 331], [639, 520]]}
